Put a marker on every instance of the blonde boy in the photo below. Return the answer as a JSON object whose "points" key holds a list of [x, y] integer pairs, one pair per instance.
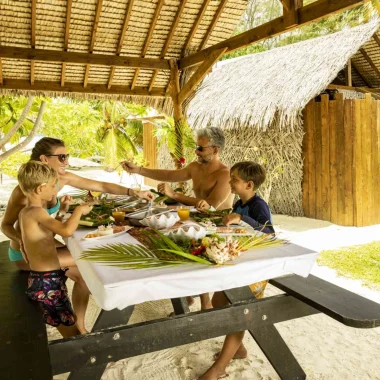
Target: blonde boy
{"points": [[46, 282]]}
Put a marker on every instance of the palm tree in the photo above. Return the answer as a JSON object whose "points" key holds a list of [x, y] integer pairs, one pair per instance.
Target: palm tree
{"points": [[121, 140]]}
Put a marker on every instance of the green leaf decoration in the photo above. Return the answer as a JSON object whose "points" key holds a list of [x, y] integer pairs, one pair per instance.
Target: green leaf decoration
{"points": [[131, 256]]}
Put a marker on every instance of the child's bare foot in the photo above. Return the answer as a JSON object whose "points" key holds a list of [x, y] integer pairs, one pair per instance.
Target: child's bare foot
{"points": [[241, 353], [213, 373], [190, 300]]}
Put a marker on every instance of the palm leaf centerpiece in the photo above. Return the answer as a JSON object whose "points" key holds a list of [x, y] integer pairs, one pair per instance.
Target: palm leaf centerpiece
{"points": [[156, 250]]}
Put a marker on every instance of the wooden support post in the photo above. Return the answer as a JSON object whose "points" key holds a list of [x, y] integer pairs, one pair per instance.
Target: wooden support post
{"points": [[177, 107], [291, 12], [348, 73]]}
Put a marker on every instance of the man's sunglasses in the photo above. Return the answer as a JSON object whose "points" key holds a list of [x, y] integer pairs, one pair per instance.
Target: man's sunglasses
{"points": [[61, 157], [202, 148]]}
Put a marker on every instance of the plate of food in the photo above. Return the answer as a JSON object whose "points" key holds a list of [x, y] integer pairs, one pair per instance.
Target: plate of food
{"points": [[209, 218], [106, 232]]}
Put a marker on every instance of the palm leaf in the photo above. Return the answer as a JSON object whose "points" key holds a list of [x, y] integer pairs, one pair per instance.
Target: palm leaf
{"points": [[130, 256]]}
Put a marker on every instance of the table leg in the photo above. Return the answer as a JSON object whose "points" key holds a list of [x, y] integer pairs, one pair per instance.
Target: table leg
{"points": [[180, 305], [277, 352], [105, 319]]}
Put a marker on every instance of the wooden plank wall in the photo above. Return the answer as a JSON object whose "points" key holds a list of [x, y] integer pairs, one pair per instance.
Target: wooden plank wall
{"points": [[150, 151], [341, 150]]}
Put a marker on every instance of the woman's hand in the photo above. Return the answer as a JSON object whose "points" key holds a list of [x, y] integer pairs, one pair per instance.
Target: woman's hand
{"points": [[65, 203], [130, 167], [143, 195], [202, 205], [165, 189], [232, 219]]}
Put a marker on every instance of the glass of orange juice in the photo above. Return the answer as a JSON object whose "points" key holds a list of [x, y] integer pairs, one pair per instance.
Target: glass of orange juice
{"points": [[183, 212], [118, 216]]}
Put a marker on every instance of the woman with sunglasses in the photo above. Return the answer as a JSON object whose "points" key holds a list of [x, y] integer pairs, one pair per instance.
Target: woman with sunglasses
{"points": [[54, 153]]}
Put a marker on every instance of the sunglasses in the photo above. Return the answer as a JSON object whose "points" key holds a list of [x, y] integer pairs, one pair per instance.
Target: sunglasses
{"points": [[61, 157], [202, 148]]}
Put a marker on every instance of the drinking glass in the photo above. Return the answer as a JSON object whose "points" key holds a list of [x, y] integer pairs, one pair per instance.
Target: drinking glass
{"points": [[183, 213], [118, 216]]}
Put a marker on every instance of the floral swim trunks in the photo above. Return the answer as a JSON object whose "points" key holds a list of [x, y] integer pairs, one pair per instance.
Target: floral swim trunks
{"points": [[50, 290]]}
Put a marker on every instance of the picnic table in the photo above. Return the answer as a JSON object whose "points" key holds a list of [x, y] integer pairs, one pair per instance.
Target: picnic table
{"points": [[117, 291]]}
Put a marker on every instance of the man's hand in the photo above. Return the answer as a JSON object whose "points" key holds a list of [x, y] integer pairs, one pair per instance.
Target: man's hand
{"points": [[202, 205], [231, 219], [130, 167], [22, 250], [164, 188], [65, 203], [85, 208], [144, 195]]}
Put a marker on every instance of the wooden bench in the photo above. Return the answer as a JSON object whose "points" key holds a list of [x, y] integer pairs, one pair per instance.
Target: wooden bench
{"points": [[23, 342], [26, 354]]}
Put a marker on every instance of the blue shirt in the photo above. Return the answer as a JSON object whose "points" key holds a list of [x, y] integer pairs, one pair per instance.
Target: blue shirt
{"points": [[256, 213]]}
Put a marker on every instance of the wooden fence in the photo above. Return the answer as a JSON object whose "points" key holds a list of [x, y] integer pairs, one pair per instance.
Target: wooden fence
{"points": [[341, 151]]}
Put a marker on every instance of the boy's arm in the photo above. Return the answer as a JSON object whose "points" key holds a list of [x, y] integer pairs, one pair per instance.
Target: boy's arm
{"points": [[261, 218], [67, 228], [258, 226]]}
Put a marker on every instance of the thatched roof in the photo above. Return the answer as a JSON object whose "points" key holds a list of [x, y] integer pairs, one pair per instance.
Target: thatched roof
{"points": [[155, 29], [258, 89]]}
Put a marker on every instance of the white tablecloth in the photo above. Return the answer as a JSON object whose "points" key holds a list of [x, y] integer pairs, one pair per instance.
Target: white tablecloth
{"points": [[117, 288]]}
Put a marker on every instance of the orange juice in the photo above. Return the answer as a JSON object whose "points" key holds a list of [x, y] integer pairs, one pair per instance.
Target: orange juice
{"points": [[183, 213], [118, 216]]}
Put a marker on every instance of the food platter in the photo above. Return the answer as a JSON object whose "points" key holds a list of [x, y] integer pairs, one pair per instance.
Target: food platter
{"points": [[98, 237]]}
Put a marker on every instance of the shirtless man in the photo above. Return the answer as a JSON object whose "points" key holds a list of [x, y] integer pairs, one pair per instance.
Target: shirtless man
{"points": [[209, 175]]}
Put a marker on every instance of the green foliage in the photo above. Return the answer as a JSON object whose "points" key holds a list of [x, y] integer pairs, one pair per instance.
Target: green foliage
{"points": [[11, 108], [11, 165], [166, 133], [89, 128], [262, 11], [361, 262]]}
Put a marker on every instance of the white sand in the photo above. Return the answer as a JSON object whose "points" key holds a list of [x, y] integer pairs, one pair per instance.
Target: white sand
{"points": [[324, 348]]}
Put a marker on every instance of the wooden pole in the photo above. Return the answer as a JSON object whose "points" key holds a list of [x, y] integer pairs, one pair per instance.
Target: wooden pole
{"points": [[348, 72]]}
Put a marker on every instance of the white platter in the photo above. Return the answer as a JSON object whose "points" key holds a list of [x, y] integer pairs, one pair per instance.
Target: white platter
{"points": [[126, 228]]}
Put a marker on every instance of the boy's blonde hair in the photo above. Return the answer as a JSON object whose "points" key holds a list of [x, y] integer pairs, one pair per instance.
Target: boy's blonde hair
{"points": [[34, 174]]}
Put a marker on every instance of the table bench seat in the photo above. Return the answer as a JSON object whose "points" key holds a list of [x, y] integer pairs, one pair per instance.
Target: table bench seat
{"points": [[338, 303]]}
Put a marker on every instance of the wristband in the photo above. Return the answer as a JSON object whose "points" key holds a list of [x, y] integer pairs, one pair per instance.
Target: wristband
{"points": [[141, 167]]}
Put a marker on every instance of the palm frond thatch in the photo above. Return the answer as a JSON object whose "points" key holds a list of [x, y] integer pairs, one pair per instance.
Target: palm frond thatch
{"points": [[258, 89]]}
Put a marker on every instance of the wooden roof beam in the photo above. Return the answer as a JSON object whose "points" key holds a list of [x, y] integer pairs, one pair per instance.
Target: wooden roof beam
{"points": [[1, 72], [169, 38], [98, 10], [46, 86], [306, 15], [370, 62], [195, 26], [359, 73], [148, 38], [33, 36], [377, 39], [197, 77], [213, 23], [83, 58], [121, 39], [66, 41]]}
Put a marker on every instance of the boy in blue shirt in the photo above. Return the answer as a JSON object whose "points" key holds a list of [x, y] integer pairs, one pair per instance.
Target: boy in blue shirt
{"points": [[245, 178]]}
